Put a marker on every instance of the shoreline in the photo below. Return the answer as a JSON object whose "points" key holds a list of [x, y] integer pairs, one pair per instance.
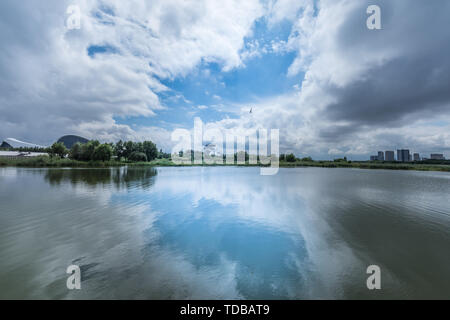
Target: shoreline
{"points": [[46, 162]]}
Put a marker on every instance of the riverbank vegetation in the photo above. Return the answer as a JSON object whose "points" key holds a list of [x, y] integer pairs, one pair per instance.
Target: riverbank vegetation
{"points": [[368, 165], [56, 162], [93, 154], [46, 161]]}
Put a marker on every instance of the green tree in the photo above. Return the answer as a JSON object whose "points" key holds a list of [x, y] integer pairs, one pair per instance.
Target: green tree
{"points": [[58, 149], [290, 157], [102, 152], [130, 147], [138, 147], [119, 150], [87, 150], [138, 156], [75, 151], [150, 150]]}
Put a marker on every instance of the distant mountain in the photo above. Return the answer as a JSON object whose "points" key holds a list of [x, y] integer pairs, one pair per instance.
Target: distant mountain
{"points": [[70, 140], [14, 143]]}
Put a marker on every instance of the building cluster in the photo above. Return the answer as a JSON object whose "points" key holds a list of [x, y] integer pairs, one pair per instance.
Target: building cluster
{"points": [[19, 154], [404, 155]]}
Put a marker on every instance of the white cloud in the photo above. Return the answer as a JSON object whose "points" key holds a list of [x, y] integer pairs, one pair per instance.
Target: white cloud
{"points": [[285, 10], [362, 91], [50, 85]]}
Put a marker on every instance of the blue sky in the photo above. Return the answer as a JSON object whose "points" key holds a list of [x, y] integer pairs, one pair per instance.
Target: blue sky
{"points": [[260, 77]]}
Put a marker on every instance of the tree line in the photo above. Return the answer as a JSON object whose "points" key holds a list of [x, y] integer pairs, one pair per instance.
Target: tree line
{"points": [[244, 155], [131, 151], [292, 158], [95, 151]]}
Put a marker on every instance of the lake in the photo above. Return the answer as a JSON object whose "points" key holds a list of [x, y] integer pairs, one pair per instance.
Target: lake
{"points": [[224, 233]]}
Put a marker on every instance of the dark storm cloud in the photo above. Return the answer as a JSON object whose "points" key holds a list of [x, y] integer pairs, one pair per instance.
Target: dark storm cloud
{"points": [[414, 84]]}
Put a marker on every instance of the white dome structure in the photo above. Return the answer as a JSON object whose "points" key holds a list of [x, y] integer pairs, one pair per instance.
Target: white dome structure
{"points": [[18, 144]]}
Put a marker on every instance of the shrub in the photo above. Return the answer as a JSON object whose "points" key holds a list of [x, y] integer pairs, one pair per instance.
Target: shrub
{"points": [[102, 152], [58, 149], [150, 150], [75, 151], [137, 157], [290, 157], [87, 150]]}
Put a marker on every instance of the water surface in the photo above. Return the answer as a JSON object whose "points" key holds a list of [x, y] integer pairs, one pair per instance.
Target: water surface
{"points": [[224, 233]]}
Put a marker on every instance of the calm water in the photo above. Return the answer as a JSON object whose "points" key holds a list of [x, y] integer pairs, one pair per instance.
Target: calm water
{"points": [[177, 233]]}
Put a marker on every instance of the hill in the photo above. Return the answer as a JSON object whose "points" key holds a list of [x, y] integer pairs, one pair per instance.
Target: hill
{"points": [[70, 140], [5, 145]]}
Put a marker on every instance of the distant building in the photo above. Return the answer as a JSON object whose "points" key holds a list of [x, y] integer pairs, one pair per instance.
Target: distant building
{"points": [[403, 155], [389, 156], [437, 156], [18, 154], [373, 158], [14, 143], [380, 156], [416, 157]]}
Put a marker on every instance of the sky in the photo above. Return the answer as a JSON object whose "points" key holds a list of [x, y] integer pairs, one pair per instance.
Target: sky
{"points": [[138, 70]]}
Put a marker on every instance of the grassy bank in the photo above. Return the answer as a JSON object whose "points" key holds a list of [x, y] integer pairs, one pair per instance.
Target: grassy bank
{"points": [[368, 165], [43, 162], [48, 162]]}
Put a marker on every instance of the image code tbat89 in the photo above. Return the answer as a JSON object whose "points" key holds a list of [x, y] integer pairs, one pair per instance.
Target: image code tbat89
{"points": [[224, 159]]}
